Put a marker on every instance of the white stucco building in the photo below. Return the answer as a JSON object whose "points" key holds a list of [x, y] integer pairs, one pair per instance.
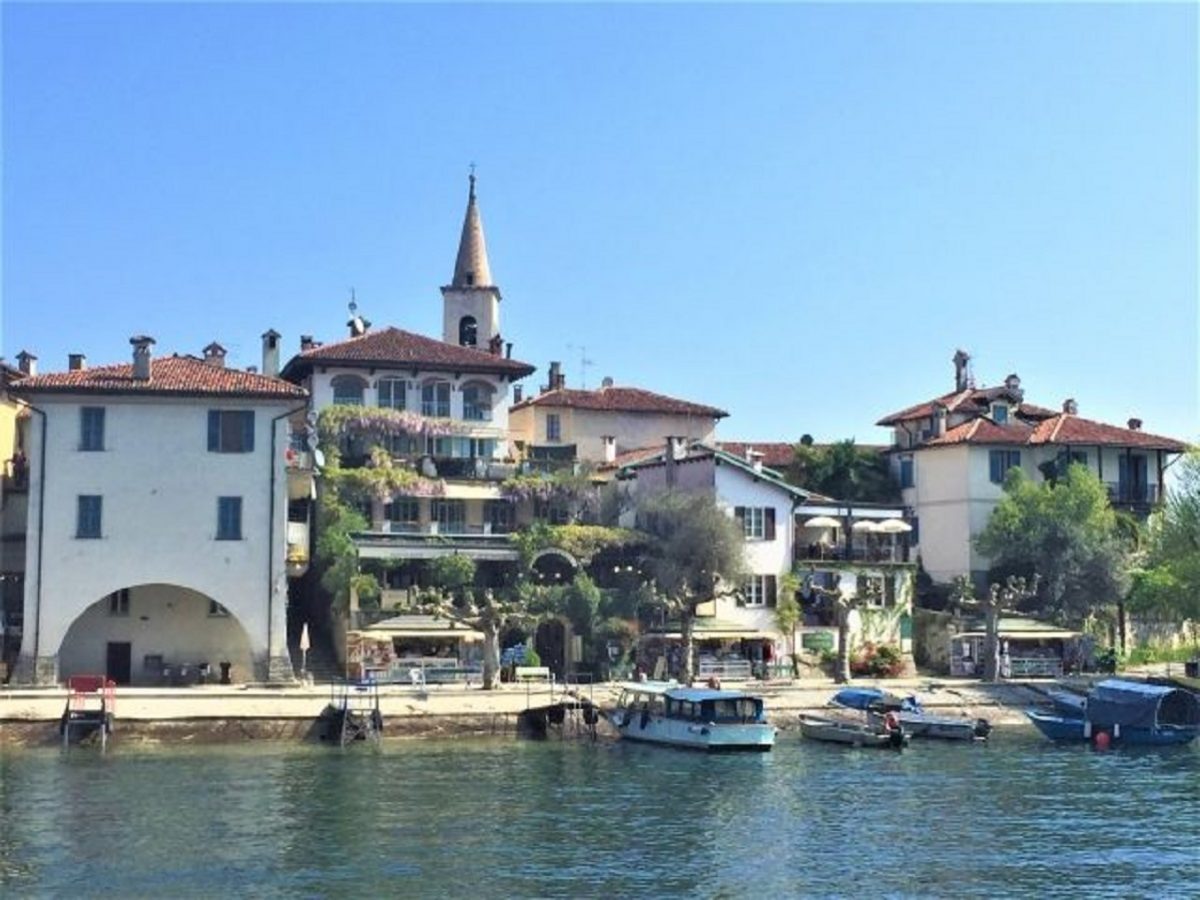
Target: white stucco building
{"points": [[156, 521], [774, 517], [951, 454]]}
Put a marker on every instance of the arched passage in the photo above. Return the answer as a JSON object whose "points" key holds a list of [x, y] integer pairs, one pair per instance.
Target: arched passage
{"points": [[154, 634], [554, 566]]}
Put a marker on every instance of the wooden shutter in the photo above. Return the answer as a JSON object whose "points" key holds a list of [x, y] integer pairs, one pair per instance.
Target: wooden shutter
{"points": [[214, 431], [769, 583], [769, 528]]}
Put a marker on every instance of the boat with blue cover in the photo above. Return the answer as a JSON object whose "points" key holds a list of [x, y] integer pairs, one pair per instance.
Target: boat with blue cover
{"points": [[659, 712], [915, 721], [1127, 712]]}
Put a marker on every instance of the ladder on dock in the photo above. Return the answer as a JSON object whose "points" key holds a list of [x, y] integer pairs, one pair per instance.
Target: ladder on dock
{"points": [[354, 706], [91, 707]]}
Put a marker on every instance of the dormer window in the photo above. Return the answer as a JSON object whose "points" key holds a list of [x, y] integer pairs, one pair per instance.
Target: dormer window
{"points": [[1000, 413]]}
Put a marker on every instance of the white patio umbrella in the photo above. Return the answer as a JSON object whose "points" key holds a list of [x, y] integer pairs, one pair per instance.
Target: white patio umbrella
{"points": [[893, 526], [866, 525], [822, 522], [304, 645]]}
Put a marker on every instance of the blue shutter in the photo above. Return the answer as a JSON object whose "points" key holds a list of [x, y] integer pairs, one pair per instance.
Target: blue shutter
{"points": [[214, 431], [995, 462], [248, 432]]}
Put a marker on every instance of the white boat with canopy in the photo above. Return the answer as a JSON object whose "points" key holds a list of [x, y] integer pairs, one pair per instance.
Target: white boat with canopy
{"points": [[663, 712]]}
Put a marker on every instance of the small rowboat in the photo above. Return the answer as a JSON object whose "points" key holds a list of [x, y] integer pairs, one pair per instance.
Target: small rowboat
{"points": [[853, 734]]}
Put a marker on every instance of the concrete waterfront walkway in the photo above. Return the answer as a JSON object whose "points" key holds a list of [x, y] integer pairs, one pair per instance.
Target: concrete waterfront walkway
{"points": [[292, 712]]}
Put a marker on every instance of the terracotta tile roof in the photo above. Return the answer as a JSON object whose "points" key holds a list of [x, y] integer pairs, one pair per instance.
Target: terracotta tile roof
{"points": [[776, 454], [621, 399], [1061, 428], [1068, 429], [184, 376], [399, 349], [983, 431], [971, 400]]}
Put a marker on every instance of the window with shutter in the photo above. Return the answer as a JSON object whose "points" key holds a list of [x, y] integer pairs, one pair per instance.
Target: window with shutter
{"points": [[770, 524], [230, 431], [771, 589]]}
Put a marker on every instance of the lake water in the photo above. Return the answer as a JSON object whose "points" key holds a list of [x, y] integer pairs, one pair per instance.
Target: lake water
{"points": [[503, 818]]}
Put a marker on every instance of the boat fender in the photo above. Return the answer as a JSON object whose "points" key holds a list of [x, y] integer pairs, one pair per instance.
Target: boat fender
{"points": [[1087, 728], [1116, 730]]}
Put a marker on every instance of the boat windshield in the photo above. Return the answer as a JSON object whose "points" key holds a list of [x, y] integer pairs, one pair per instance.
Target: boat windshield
{"points": [[743, 709]]}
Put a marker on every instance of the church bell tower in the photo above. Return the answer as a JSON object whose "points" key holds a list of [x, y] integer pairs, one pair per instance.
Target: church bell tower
{"points": [[471, 302]]}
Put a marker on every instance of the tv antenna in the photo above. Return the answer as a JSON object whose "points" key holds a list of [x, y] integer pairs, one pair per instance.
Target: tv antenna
{"points": [[584, 364]]}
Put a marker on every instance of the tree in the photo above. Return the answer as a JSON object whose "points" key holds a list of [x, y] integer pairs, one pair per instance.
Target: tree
{"points": [[843, 470], [1065, 532], [1000, 597], [788, 613], [487, 610], [1169, 583], [843, 605], [694, 554]]}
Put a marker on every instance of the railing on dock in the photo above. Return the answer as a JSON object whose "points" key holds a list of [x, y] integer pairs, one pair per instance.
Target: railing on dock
{"points": [[354, 711], [91, 707]]}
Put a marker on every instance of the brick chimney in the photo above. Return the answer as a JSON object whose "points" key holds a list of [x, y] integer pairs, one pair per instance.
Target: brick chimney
{"points": [[270, 352], [76, 362], [307, 342], [518, 393], [142, 355], [1070, 407], [1135, 424], [214, 355], [27, 363], [962, 370], [939, 419], [555, 379]]}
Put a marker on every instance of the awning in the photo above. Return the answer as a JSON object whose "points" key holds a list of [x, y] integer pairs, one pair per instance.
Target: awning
{"points": [[712, 629], [418, 626], [1048, 634]]}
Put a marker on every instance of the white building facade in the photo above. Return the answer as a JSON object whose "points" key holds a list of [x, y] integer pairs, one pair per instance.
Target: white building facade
{"points": [[157, 520], [951, 455]]}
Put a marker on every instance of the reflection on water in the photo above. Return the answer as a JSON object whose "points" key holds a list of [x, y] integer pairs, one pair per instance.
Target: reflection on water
{"points": [[516, 819]]}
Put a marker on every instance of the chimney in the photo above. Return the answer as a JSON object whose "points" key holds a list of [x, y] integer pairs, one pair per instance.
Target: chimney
{"points": [[610, 448], [555, 378], [518, 393], [214, 355], [1070, 407], [27, 363], [1135, 424], [270, 353], [141, 356], [508, 350], [962, 370], [607, 382], [669, 462], [939, 419], [76, 362], [755, 459], [307, 342]]}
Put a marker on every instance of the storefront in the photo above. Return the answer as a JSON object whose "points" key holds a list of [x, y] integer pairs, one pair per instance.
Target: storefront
{"points": [[415, 649]]}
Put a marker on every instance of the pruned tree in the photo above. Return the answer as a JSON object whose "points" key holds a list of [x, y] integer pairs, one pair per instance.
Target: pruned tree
{"points": [[487, 610], [694, 554], [1001, 596], [843, 605]]}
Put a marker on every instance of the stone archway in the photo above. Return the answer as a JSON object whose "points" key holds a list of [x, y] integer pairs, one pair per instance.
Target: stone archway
{"points": [[554, 566], [156, 634]]}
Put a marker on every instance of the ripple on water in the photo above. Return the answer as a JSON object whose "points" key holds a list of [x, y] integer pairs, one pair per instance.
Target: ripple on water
{"points": [[501, 818]]}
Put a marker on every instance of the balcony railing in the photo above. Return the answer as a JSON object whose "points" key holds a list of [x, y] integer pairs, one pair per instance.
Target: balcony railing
{"points": [[1132, 494], [822, 553], [444, 528]]}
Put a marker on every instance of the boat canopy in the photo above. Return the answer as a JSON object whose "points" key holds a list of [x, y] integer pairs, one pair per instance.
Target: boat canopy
{"points": [[865, 698], [699, 695], [1135, 704]]}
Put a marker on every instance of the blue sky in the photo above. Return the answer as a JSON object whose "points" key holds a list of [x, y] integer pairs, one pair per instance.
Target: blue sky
{"points": [[793, 212]]}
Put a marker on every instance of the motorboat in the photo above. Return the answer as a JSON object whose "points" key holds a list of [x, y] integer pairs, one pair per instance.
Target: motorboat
{"points": [[698, 718], [914, 719], [854, 733], [1125, 712]]}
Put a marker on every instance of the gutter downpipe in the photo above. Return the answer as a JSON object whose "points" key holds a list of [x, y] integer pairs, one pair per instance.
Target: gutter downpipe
{"points": [[270, 536], [37, 606]]}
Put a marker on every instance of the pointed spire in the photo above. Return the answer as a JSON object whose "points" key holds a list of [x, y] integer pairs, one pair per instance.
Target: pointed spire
{"points": [[471, 267]]}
